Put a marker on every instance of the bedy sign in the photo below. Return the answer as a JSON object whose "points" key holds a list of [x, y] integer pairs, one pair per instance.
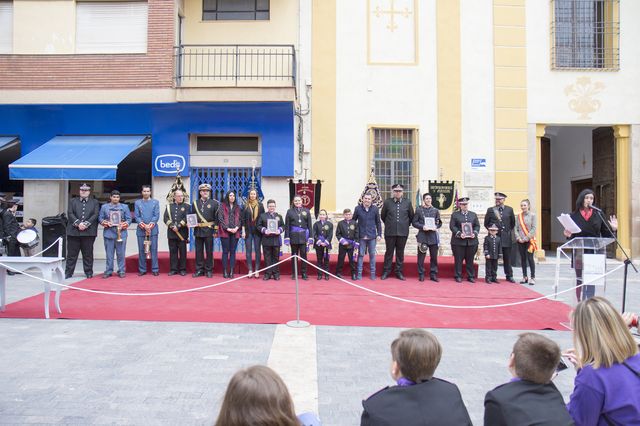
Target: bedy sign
{"points": [[170, 164]]}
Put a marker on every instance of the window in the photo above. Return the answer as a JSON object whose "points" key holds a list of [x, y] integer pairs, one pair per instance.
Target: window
{"points": [[394, 158], [111, 27], [6, 27], [585, 34], [235, 10]]}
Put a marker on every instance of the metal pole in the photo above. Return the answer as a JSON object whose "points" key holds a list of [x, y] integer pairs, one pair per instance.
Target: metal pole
{"points": [[624, 284], [297, 323]]}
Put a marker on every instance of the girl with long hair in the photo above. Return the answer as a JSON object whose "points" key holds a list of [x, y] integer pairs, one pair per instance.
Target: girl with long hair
{"points": [[229, 222], [253, 208], [526, 238]]}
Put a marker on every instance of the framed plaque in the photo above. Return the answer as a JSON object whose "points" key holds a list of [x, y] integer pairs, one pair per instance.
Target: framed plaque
{"points": [[430, 223], [115, 217], [467, 230], [192, 220], [272, 226]]}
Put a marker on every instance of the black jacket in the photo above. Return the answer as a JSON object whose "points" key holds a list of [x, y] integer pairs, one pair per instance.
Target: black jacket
{"points": [[326, 231], [347, 231], [247, 219], [594, 227], [270, 240], [505, 222], [83, 212], [209, 212], [435, 402], [457, 219], [492, 247], [301, 219], [426, 237], [397, 217], [10, 225], [176, 215], [523, 403]]}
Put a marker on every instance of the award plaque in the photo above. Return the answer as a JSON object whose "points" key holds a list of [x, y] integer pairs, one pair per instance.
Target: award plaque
{"points": [[192, 220], [430, 223], [115, 217], [467, 230], [272, 226]]}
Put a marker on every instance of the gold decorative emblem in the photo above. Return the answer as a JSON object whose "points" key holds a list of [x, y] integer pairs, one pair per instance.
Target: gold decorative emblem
{"points": [[208, 206], [581, 95], [182, 209], [326, 227], [392, 12], [304, 214], [352, 227]]}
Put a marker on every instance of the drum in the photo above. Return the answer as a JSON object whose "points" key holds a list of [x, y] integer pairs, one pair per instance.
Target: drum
{"points": [[28, 238]]}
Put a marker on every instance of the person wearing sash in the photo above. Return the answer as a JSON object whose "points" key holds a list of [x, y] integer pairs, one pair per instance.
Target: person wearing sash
{"points": [[271, 240], [465, 228], [252, 211], [505, 220], [82, 229], [298, 233], [115, 234], [229, 223], [206, 211], [427, 237], [526, 239], [147, 213], [175, 217], [347, 235], [323, 231]]}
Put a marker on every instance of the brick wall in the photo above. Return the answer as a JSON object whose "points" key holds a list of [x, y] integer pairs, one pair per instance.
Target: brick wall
{"points": [[151, 70]]}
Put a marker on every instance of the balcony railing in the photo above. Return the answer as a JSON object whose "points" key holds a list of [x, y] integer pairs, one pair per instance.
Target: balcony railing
{"points": [[235, 65]]}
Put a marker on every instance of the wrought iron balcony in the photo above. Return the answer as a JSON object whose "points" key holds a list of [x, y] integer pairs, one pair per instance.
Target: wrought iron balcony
{"points": [[235, 65]]}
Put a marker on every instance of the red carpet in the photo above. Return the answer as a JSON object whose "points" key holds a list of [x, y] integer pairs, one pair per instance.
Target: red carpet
{"points": [[445, 264], [321, 303]]}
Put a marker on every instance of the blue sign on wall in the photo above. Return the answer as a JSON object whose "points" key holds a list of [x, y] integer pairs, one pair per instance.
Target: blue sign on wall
{"points": [[478, 163], [169, 126]]}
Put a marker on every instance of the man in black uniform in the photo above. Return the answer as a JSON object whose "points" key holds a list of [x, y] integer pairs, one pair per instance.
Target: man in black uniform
{"points": [[397, 214], [10, 228], [428, 237], [271, 242], [298, 232], [464, 227], [206, 210], [347, 235], [505, 220], [82, 229], [175, 217]]}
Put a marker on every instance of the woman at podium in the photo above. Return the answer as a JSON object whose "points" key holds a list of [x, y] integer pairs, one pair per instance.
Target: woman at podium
{"points": [[591, 222]]}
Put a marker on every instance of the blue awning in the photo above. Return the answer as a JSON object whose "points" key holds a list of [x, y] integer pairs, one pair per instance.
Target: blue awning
{"points": [[8, 141], [76, 158]]}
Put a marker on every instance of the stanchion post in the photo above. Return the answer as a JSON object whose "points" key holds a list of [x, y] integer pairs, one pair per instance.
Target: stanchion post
{"points": [[60, 247], [297, 323]]}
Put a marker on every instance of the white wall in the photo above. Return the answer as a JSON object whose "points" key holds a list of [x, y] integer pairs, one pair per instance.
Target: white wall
{"points": [[570, 146], [381, 95]]}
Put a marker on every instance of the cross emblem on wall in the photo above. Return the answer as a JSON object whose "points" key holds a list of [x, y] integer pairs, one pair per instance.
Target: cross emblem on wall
{"points": [[392, 12]]}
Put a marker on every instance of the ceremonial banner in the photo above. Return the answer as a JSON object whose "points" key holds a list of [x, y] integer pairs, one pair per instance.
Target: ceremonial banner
{"points": [[306, 191], [442, 193], [371, 188]]}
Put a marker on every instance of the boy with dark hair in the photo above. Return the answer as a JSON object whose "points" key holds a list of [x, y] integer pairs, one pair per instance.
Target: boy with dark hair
{"points": [[347, 235], [492, 250], [530, 397], [419, 398]]}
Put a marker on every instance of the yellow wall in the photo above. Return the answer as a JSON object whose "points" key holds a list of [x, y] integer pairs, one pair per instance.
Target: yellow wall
{"points": [[44, 27], [323, 104], [281, 28], [449, 89], [510, 77]]}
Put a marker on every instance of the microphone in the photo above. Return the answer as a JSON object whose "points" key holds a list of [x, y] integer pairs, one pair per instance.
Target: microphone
{"points": [[596, 208]]}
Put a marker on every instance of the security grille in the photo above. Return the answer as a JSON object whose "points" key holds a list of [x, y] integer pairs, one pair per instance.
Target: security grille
{"points": [[394, 159], [585, 34], [222, 180]]}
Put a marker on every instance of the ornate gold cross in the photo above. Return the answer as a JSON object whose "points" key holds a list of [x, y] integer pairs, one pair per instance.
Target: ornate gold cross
{"points": [[392, 12]]}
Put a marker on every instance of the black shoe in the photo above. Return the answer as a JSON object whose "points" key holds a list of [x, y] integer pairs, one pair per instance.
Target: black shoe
{"points": [[224, 274], [230, 275], [384, 276], [105, 275], [434, 278], [141, 274], [458, 279], [266, 277], [155, 274], [524, 280], [511, 280], [495, 281], [354, 276], [277, 278], [172, 273], [183, 273], [89, 276], [421, 277], [340, 275], [400, 276], [319, 277], [66, 277], [304, 277], [488, 280], [471, 280], [11, 273], [326, 277], [198, 274], [121, 274], [209, 274]]}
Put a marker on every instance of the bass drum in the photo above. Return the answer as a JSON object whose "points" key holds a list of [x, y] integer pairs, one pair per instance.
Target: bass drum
{"points": [[28, 238]]}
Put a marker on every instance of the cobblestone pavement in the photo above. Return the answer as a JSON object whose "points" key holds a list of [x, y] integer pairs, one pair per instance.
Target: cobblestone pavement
{"points": [[152, 373]]}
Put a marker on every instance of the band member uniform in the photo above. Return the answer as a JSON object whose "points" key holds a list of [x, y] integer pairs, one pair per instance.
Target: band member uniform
{"points": [[464, 227], [427, 237], [206, 210], [298, 232], [175, 217], [147, 212]]}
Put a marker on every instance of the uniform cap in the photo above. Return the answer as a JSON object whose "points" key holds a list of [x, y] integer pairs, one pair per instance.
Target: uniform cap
{"points": [[85, 186], [463, 200], [499, 195], [493, 227], [398, 187], [204, 186]]}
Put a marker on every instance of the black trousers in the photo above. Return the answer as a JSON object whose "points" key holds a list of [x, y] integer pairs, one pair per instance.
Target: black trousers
{"points": [[300, 250], [271, 254], [526, 258], [433, 261], [396, 244], [177, 255], [491, 269], [322, 262], [506, 258], [466, 254], [75, 246], [204, 244], [342, 252]]}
